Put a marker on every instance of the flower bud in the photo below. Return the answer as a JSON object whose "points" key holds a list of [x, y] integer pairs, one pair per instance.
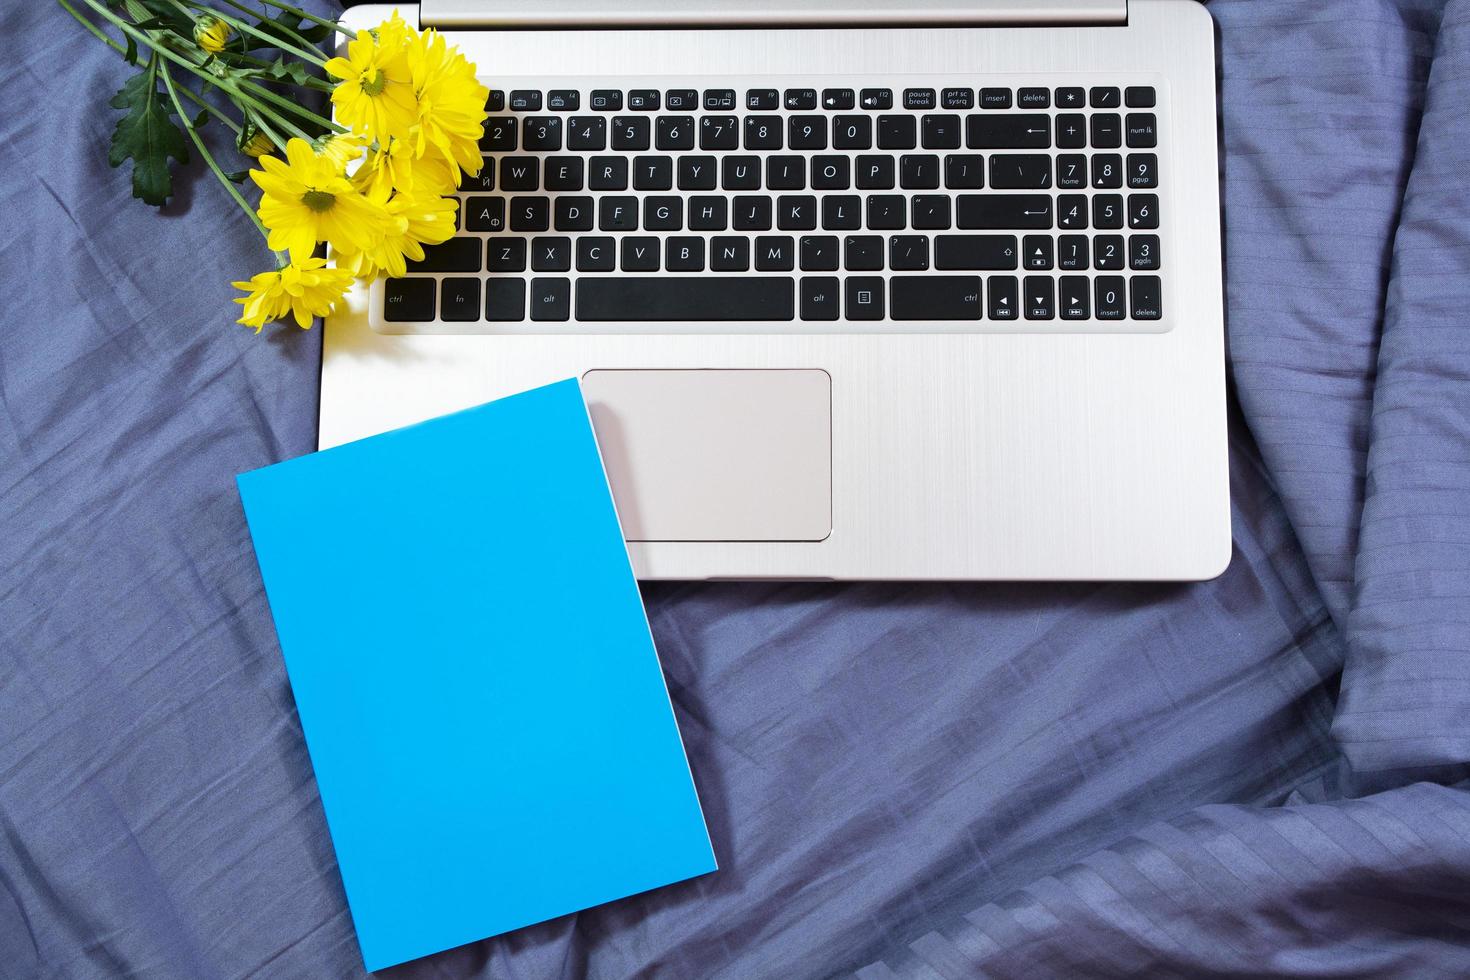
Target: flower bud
{"points": [[253, 143], [211, 33]]}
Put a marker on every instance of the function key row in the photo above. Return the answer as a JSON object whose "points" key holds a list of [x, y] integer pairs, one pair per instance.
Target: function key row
{"points": [[831, 99]]}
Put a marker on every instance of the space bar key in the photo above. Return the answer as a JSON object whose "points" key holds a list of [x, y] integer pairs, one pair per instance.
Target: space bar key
{"points": [[722, 298]]}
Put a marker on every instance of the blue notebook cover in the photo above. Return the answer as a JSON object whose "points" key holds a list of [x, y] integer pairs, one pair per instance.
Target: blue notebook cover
{"points": [[486, 715]]}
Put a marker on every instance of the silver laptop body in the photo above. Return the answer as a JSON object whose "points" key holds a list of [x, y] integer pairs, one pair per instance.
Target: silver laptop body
{"points": [[856, 290]]}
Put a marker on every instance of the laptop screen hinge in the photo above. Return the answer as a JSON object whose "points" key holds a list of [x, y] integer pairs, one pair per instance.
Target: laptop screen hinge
{"points": [[648, 14]]}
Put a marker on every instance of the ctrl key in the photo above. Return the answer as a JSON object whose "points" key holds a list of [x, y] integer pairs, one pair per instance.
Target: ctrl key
{"points": [[408, 300]]}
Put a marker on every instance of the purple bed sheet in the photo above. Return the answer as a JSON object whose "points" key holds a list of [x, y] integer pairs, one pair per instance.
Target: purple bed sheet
{"points": [[1263, 775]]}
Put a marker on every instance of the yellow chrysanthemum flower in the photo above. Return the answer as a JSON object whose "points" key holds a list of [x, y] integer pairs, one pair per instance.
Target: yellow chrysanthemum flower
{"points": [[211, 33], [424, 218], [375, 94], [307, 199], [340, 148], [451, 101], [395, 167], [305, 289]]}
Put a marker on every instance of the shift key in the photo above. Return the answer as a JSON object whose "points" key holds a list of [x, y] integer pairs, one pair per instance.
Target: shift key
{"points": [[1003, 211]]}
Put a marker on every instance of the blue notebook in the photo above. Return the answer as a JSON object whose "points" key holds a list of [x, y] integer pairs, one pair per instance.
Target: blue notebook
{"points": [[486, 715]]}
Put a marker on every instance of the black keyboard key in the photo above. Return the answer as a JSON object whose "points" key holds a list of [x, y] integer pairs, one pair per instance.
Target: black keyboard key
{"points": [[617, 213], [719, 133], [964, 171], [408, 300], [1008, 132], [863, 253], [684, 253], [1108, 293], [587, 133], [1039, 298], [607, 174], [698, 173], [631, 133], [520, 174], [525, 100], [572, 213], [499, 135], [807, 132], [507, 255], [719, 100], [1003, 298], [763, 132], [541, 133], [1148, 297], [530, 213], [681, 100], [597, 254], [640, 254], [459, 300], [918, 98], [957, 98], [1071, 171], [886, 212], [653, 173], [935, 297], [1143, 253], [1107, 211], [897, 133], [1033, 98], [1107, 130], [1071, 131], [819, 298], [976, 252], [831, 173], [916, 172], [563, 174], [563, 100], [874, 173], [1023, 211], [1072, 212], [729, 253], [930, 212], [1073, 252], [1143, 170], [655, 299], [762, 100], [1020, 171], [1102, 97], [644, 100], [551, 254], [1143, 210], [662, 213], [1107, 253], [505, 300], [941, 132], [1140, 128], [709, 213], [852, 132], [1038, 253], [495, 100], [551, 299], [800, 99], [751, 213], [995, 98], [482, 181], [818, 253], [908, 253], [796, 212], [1074, 295], [455, 255], [484, 214], [1139, 97], [785, 173], [775, 253], [674, 133], [842, 212], [1107, 170], [606, 100], [864, 297], [741, 173], [838, 99], [876, 99], [1071, 98]]}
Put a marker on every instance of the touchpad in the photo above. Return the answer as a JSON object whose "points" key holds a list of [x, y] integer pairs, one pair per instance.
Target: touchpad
{"points": [[716, 455]]}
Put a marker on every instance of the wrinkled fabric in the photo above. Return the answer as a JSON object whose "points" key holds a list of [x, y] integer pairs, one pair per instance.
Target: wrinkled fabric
{"points": [[1263, 775]]}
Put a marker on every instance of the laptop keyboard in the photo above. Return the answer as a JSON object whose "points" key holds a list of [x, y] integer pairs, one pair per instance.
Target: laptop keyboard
{"points": [[723, 207]]}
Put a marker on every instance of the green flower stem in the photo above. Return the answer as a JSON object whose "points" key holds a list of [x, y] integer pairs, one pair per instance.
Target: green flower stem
{"points": [[286, 103], [101, 36], [209, 108], [313, 56], [168, 83], [316, 84], [325, 22]]}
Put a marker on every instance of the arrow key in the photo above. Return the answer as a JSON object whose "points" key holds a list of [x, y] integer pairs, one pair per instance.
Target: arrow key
{"points": [[1005, 303], [1039, 251], [1040, 298], [1075, 302]]}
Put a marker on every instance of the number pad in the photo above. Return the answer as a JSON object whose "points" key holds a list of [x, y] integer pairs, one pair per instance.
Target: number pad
{"points": [[1143, 170]]}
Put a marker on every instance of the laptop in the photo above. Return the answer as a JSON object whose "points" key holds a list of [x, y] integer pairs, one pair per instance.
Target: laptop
{"points": [[854, 289]]}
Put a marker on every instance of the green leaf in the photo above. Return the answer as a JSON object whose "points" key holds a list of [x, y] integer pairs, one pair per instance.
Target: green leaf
{"points": [[148, 136], [283, 27], [289, 72], [131, 54], [237, 176]]}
